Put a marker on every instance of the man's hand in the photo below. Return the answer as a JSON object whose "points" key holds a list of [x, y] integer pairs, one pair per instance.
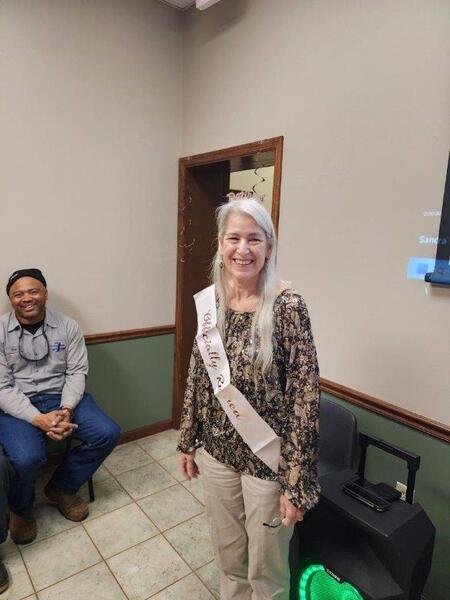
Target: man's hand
{"points": [[289, 513], [188, 467], [66, 414], [63, 428], [61, 431], [46, 421], [56, 424]]}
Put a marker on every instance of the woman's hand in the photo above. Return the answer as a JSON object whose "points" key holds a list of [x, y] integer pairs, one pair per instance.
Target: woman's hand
{"points": [[289, 513], [188, 467]]}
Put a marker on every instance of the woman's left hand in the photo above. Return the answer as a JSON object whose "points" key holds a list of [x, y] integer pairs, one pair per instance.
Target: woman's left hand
{"points": [[289, 513]]}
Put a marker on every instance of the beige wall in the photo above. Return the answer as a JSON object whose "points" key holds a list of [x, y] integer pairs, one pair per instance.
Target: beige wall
{"points": [[93, 100], [360, 90], [90, 122]]}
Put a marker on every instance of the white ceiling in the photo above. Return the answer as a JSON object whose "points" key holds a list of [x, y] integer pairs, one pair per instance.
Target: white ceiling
{"points": [[179, 4]]}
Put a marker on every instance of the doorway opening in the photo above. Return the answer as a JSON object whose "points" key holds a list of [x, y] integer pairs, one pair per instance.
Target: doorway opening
{"points": [[204, 182]]}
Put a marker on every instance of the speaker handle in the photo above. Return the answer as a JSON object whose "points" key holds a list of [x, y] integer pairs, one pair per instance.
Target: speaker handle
{"points": [[412, 460]]}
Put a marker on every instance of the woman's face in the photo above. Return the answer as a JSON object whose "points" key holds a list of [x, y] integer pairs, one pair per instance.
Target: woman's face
{"points": [[244, 248]]}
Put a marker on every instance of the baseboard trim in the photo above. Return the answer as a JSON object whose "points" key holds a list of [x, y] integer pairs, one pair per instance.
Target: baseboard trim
{"points": [[135, 434], [129, 334], [394, 413]]}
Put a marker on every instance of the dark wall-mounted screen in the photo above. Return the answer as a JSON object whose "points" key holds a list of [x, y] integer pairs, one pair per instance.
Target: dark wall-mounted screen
{"points": [[441, 273]]}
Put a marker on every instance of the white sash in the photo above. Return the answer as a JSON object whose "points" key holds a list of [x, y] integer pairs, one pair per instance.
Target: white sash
{"points": [[255, 432]]}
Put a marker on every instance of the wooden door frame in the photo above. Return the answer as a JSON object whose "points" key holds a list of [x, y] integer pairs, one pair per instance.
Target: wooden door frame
{"points": [[274, 144]]}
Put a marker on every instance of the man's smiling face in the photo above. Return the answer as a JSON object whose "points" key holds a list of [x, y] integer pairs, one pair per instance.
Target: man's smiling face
{"points": [[28, 297]]}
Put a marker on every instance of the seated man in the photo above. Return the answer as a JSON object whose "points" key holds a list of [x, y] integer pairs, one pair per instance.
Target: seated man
{"points": [[43, 369]]}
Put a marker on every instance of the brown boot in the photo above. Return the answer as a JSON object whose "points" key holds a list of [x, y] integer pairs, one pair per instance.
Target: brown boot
{"points": [[70, 505], [22, 528]]}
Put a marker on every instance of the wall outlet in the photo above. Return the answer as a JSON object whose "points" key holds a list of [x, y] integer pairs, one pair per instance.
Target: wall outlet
{"points": [[401, 487]]}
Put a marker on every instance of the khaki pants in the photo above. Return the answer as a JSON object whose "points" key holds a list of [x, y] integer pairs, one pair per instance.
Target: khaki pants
{"points": [[252, 559]]}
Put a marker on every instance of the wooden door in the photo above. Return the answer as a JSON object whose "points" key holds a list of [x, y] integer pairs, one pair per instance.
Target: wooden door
{"points": [[205, 188], [203, 185]]}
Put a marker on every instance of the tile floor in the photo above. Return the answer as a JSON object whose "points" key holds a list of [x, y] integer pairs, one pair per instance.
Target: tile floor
{"points": [[146, 536]]}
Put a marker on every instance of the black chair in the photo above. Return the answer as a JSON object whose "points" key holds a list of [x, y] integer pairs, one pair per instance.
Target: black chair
{"points": [[337, 443], [337, 437]]}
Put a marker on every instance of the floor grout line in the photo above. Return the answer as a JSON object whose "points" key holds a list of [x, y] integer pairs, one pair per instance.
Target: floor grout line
{"points": [[26, 569], [204, 583], [68, 577], [104, 560], [158, 532], [178, 580], [146, 495]]}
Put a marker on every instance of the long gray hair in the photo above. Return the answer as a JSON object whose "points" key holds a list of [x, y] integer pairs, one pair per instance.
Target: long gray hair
{"points": [[262, 324]]}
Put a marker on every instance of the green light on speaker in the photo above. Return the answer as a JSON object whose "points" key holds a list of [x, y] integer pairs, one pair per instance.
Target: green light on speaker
{"points": [[317, 584]]}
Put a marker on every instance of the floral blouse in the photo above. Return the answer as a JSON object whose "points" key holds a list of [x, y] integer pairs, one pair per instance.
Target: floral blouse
{"points": [[287, 398]]}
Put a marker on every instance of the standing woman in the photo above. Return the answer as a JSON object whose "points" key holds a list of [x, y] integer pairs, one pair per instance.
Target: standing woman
{"points": [[266, 333]]}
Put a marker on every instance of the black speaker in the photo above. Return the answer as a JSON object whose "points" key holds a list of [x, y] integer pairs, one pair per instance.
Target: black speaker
{"points": [[345, 550]]}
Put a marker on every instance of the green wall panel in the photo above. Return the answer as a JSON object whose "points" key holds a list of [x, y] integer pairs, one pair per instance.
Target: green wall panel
{"points": [[432, 483], [132, 380]]}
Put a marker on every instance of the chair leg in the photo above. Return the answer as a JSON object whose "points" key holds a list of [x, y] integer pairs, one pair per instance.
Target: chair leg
{"points": [[91, 490]]}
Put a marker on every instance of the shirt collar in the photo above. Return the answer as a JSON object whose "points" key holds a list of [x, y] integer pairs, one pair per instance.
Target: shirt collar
{"points": [[13, 323], [49, 320]]}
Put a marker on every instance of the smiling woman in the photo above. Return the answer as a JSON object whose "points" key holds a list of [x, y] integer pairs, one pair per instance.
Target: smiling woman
{"points": [[244, 249], [247, 279], [259, 473]]}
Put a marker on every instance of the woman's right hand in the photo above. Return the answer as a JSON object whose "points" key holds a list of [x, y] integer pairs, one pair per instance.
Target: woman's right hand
{"points": [[188, 467]]}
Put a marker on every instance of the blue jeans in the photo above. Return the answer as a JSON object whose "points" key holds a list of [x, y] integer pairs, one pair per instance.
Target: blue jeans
{"points": [[25, 447], [5, 475]]}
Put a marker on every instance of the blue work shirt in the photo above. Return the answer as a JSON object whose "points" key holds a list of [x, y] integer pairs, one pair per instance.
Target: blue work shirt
{"points": [[63, 371]]}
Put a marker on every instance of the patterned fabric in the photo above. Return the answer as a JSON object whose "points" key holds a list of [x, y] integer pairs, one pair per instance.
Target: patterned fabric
{"points": [[287, 398]]}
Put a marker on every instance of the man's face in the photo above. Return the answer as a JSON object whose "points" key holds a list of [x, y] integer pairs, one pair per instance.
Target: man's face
{"points": [[28, 297]]}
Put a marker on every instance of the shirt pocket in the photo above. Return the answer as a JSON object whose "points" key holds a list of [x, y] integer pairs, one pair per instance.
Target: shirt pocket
{"points": [[12, 357], [58, 355]]}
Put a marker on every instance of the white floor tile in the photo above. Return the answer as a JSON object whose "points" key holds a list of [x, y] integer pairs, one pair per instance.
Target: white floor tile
{"points": [[59, 557], [160, 445], [125, 458], [192, 541], [189, 588], [50, 521], [109, 495], [145, 480], [118, 530], [171, 507], [147, 568], [171, 464], [20, 586], [209, 574], [95, 583], [195, 486]]}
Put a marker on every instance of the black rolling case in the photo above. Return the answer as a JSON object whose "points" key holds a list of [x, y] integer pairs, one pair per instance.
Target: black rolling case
{"points": [[346, 550]]}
